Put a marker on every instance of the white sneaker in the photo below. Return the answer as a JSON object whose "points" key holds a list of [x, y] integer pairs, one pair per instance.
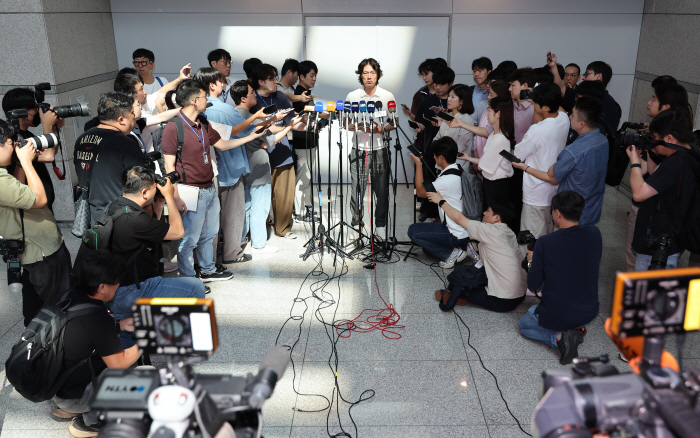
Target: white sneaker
{"points": [[290, 235], [380, 232], [169, 266], [450, 262], [472, 254], [267, 249]]}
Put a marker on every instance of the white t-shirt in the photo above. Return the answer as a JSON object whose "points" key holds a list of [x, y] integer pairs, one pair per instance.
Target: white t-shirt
{"points": [[493, 165], [365, 141], [539, 149], [450, 188], [155, 86]]}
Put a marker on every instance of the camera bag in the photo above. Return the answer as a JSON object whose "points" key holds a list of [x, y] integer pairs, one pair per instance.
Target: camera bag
{"points": [[35, 366], [472, 198]]}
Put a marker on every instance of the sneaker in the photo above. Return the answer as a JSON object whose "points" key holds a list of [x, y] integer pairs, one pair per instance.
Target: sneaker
{"points": [[241, 259], [267, 249], [450, 262], [473, 256], [61, 415], [220, 268], [440, 293], [207, 289], [169, 266], [79, 429], [290, 235], [216, 276], [380, 232], [568, 345]]}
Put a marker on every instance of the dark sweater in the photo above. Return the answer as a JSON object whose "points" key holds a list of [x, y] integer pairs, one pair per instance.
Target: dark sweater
{"points": [[567, 263]]}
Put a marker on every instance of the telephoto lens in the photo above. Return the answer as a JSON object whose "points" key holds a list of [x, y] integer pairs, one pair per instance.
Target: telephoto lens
{"points": [[173, 176], [75, 110], [42, 141]]}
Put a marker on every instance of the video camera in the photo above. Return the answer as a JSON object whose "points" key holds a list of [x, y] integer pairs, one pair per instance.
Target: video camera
{"points": [[642, 140], [10, 251], [658, 400], [176, 402]]}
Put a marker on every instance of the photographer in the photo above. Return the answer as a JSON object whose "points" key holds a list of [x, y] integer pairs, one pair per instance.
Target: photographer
{"points": [[25, 216], [500, 253], [567, 262], [446, 240], [93, 335], [666, 194], [137, 232], [22, 98]]}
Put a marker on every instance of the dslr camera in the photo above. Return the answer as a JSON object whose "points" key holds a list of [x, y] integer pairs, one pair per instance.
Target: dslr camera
{"points": [[173, 176], [660, 245], [643, 140], [10, 251], [75, 110], [176, 402], [525, 237]]}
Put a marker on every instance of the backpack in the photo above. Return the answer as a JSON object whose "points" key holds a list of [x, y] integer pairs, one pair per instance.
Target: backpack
{"points": [[617, 157], [35, 367], [472, 192], [158, 140], [688, 236], [462, 280]]}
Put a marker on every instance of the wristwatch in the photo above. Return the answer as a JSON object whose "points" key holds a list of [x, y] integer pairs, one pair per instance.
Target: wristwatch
{"points": [[441, 202], [529, 264], [635, 165]]}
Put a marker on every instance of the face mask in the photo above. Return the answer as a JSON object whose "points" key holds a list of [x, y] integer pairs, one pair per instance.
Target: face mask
{"points": [[37, 120]]}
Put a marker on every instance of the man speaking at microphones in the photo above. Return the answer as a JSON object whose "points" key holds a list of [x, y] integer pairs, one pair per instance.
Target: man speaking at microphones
{"points": [[367, 145]]}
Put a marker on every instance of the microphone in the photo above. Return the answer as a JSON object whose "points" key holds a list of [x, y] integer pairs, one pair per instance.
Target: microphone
{"points": [[339, 106], [363, 110], [347, 106], [308, 109], [391, 106], [318, 107], [371, 106], [379, 113], [355, 109], [330, 107], [271, 370]]}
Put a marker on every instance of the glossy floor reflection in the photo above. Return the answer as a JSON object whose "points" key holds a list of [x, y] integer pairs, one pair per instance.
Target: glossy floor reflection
{"points": [[430, 382]]}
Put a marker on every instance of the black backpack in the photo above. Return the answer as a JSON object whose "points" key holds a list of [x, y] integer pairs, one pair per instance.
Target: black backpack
{"points": [[158, 139], [688, 236], [35, 367]]}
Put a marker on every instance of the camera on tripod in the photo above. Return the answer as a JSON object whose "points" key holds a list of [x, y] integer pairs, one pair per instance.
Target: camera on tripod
{"points": [[10, 251], [177, 402], [643, 140], [658, 400]]}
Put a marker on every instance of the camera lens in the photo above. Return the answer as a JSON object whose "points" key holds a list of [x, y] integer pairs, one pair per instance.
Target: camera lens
{"points": [[75, 110]]}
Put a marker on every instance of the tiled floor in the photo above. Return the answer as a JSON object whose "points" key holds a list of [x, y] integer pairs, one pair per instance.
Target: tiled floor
{"points": [[429, 382]]}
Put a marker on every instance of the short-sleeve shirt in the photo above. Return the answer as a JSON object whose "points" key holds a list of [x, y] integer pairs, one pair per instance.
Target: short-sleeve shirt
{"points": [[674, 181], [493, 165], [137, 229], [450, 188], [581, 167], [258, 158], [96, 332], [373, 141], [539, 149], [479, 141], [461, 136], [158, 82], [42, 236], [281, 153], [522, 117], [502, 256], [114, 152], [232, 163], [198, 138]]}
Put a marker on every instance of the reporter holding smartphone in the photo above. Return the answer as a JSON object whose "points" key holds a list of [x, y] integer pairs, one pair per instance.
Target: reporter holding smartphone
{"points": [[46, 260], [459, 105]]}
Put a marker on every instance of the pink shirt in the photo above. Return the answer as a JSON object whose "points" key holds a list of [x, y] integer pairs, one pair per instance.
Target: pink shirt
{"points": [[523, 113], [479, 141]]}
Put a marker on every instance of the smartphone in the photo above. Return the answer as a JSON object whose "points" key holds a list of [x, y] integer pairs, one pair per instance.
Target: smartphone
{"points": [[510, 157], [549, 56], [262, 129], [405, 107], [436, 109], [525, 94], [444, 116], [413, 124], [270, 109], [428, 186], [187, 71], [414, 150]]}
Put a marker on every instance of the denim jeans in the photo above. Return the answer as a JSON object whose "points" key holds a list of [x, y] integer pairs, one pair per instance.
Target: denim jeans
{"points": [[435, 239], [257, 207], [643, 261], [201, 227], [126, 296], [529, 326]]}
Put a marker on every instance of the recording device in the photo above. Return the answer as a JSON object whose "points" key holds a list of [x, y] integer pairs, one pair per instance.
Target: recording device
{"points": [[150, 159], [642, 140], [414, 150], [371, 107], [330, 108], [525, 237], [363, 111], [210, 104], [404, 106], [347, 106], [525, 94], [173, 176], [41, 142], [318, 107], [660, 246], [413, 124], [10, 249], [444, 116], [74, 110], [270, 109], [429, 187], [510, 157], [176, 402], [549, 56], [309, 109], [658, 400]]}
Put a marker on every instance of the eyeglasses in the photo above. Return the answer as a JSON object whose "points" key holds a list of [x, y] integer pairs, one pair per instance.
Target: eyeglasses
{"points": [[273, 79], [588, 73], [225, 62], [142, 63], [571, 75]]}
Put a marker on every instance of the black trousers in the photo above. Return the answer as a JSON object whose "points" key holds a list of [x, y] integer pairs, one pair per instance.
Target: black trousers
{"points": [[44, 282], [479, 297], [378, 165]]}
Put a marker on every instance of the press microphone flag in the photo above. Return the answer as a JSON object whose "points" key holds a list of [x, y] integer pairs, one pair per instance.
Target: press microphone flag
{"points": [[355, 107], [339, 106], [330, 107], [371, 106], [318, 107], [363, 110], [309, 108], [391, 106], [347, 106]]}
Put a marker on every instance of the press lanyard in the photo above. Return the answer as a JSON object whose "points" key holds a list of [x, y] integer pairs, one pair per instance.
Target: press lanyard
{"points": [[201, 139], [224, 95], [261, 98]]}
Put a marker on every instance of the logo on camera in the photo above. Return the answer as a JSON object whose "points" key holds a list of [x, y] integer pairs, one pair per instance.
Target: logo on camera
{"points": [[124, 388]]}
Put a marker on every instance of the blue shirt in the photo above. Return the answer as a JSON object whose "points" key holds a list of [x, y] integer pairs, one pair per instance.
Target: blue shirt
{"points": [[478, 95], [581, 167], [233, 163]]}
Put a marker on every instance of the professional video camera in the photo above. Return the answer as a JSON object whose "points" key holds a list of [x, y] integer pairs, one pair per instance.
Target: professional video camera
{"points": [[177, 402], [658, 400], [10, 251], [642, 140]]}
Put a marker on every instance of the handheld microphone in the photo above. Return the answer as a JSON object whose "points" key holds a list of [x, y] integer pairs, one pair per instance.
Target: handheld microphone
{"points": [[272, 368], [363, 110]]}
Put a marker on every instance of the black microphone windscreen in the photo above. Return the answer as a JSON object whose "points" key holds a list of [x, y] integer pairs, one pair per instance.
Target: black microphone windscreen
{"points": [[276, 358], [378, 105]]}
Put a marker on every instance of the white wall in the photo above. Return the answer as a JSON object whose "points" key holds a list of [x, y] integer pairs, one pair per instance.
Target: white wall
{"points": [[400, 33]]}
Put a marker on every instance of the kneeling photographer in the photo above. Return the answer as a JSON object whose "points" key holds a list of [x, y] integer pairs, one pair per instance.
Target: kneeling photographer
{"points": [[137, 238], [666, 194], [567, 262], [29, 235]]}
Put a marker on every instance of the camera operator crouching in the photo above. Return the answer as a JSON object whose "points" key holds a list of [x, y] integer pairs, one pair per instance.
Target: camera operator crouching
{"points": [[27, 225], [666, 194], [137, 239], [567, 262]]}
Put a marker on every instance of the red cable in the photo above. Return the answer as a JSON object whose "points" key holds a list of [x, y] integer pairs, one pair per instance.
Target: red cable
{"points": [[386, 319]]}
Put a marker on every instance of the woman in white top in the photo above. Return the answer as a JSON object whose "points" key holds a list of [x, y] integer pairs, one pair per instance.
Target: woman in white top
{"points": [[460, 106], [498, 184]]}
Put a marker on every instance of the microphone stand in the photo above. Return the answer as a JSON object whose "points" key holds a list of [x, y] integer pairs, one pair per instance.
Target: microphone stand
{"points": [[342, 222], [359, 245]]}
